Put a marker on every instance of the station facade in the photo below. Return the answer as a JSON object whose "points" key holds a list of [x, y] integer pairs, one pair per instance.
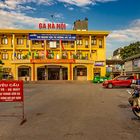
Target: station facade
{"points": [[53, 54]]}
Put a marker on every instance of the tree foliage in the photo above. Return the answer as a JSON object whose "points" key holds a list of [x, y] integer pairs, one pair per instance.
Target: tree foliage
{"points": [[130, 50]]}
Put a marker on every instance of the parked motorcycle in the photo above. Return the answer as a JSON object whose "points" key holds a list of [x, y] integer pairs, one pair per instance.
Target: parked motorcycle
{"points": [[134, 100]]}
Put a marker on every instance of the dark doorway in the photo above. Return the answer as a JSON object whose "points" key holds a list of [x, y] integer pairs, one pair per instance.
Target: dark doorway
{"points": [[65, 74], [53, 73], [41, 74]]}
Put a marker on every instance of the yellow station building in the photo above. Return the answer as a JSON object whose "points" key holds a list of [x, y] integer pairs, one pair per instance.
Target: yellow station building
{"points": [[53, 54]]}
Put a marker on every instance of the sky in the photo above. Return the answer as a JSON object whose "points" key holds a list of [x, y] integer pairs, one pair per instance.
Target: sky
{"points": [[120, 17]]}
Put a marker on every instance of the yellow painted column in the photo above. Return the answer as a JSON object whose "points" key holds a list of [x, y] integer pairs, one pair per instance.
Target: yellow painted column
{"points": [[35, 72], [60, 42], [75, 49], [90, 47], [13, 43], [30, 49], [15, 72], [104, 46], [70, 71], [89, 72], [103, 71], [45, 49]]}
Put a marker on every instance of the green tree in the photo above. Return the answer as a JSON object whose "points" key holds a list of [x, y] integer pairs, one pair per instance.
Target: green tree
{"points": [[130, 50]]}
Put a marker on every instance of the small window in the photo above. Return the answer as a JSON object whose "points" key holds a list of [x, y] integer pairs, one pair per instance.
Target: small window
{"points": [[93, 41], [5, 56], [79, 42], [35, 42], [20, 41], [100, 43], [86, 43], [19, 55], [4, 41]]}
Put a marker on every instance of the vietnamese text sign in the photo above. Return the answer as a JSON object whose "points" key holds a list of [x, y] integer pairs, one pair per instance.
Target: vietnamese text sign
{"points": [[55, 61], [52, 37], [11, 91]]}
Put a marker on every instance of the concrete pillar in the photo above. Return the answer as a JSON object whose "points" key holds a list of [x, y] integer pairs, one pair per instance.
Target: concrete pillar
{"points": [[61, 73]]}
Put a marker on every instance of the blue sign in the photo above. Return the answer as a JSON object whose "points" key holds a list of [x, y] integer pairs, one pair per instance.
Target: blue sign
{"points": [[55, 37]]}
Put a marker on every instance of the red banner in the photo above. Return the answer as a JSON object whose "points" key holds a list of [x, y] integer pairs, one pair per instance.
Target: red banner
{"points": [[11, 91], [51, 61]]}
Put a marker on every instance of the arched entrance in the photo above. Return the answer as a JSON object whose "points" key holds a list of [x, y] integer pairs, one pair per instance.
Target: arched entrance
{"points": [[52, 72], [24, 73], [80, 73]]}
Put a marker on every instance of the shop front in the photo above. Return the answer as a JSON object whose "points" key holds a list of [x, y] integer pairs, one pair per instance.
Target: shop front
{"points": [[80, 73], [24, 73], [52, 72]]}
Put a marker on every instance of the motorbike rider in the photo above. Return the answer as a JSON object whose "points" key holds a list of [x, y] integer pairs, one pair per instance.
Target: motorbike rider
{"points": [[133, 100]]}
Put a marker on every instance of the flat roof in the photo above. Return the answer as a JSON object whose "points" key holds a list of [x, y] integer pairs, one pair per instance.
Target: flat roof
{"points": [[26, 31]]}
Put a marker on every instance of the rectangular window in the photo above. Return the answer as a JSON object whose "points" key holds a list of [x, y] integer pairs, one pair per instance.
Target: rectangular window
{"points": [[100, 43], [86, 43], [65, 43], [79, 42], [20, 41], [5, 56], [93, 41], [4, 41], [19, 55], [35, 42]]}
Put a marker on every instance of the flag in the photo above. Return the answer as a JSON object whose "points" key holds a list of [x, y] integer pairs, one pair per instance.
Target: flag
{"points": [[61, 44], [47, 53], [14, 54]]}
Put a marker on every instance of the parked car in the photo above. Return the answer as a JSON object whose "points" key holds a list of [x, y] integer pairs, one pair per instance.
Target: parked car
{"points": [[100, 79], [120, 81]]}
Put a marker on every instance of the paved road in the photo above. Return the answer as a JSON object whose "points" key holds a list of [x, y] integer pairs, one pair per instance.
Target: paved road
{"points": [[72, 111]]}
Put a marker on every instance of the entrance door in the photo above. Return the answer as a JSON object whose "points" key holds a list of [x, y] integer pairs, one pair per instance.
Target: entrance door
{"points": [[53, 73], [65, 74], [41, 74]]}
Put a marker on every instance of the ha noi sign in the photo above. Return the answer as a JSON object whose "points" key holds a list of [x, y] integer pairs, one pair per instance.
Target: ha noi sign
{"points": [[52, 26]]}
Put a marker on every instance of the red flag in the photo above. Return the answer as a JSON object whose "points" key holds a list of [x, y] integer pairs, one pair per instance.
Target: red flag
{"points": [[47, 53], [62, 45]]}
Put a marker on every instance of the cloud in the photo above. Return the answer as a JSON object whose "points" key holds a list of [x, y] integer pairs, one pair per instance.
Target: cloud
{"points": [[70, 8], [82, 3], [19, 20], [123, 37]]}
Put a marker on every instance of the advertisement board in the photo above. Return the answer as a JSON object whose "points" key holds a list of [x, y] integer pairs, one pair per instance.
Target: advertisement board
{"points": [[128, 66], [136, 64], [99, 63], [11, 91]]}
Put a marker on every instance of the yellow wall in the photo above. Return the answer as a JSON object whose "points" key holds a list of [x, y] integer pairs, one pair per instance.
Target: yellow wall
{"points": [[93, 52]]}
